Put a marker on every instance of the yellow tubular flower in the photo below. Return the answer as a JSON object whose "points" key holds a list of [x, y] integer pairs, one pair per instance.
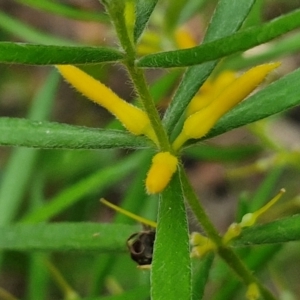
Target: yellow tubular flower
{"points": [[133, 119], [164, 165], [184, 39], [209, 91], [198, 124]]}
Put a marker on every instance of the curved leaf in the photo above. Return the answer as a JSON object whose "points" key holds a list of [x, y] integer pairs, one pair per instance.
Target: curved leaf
{"points": [[36, 134], [30, 54]]}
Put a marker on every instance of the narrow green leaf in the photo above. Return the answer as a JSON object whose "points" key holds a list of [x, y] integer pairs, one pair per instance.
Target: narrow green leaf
{"points": [[276, 97], [66, 11], [22, 53], [34, 134], [279, 231], [98, 181], [283, 46], [227, 19], [144, 10], [30, 34], [10, 196], [171, 267], [240, 41], [66, 236]]}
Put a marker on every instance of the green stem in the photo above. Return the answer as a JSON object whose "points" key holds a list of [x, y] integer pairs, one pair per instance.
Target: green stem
{"points": [[237, 265], [228, 255], [138, 78], [197, 208], [116, 11]]}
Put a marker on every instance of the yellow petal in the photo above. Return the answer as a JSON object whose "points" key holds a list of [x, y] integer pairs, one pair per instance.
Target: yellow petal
{"points": [[134, 119], [164, 165]]}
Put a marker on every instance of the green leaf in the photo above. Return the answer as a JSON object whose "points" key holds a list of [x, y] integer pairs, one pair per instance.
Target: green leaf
{"points": [[38, 134], [29, 33], [279, 231], [66, 236], [240, 41], [66, 11], [226, 20], [144, 10], [98, 181], [22, 53], [276, 97], [283, 46], [171, 266], [10, 196]]}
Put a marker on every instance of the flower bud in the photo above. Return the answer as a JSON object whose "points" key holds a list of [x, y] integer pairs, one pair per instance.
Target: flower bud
{"points": [[133, 119], [164, 165]]}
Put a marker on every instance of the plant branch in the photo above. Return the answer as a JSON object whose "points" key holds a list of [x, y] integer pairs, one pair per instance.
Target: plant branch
{"points": [[137, 75], [226, 253]]}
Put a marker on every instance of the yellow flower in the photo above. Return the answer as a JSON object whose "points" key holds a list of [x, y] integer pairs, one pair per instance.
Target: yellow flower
{"points": [[209, 91], [184, 39], [201, 245], [152, 42], [163, 166], [200, 122], [133, 119]]}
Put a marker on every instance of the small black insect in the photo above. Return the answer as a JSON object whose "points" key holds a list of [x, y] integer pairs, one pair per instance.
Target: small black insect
{"points": [[140, 246]]}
